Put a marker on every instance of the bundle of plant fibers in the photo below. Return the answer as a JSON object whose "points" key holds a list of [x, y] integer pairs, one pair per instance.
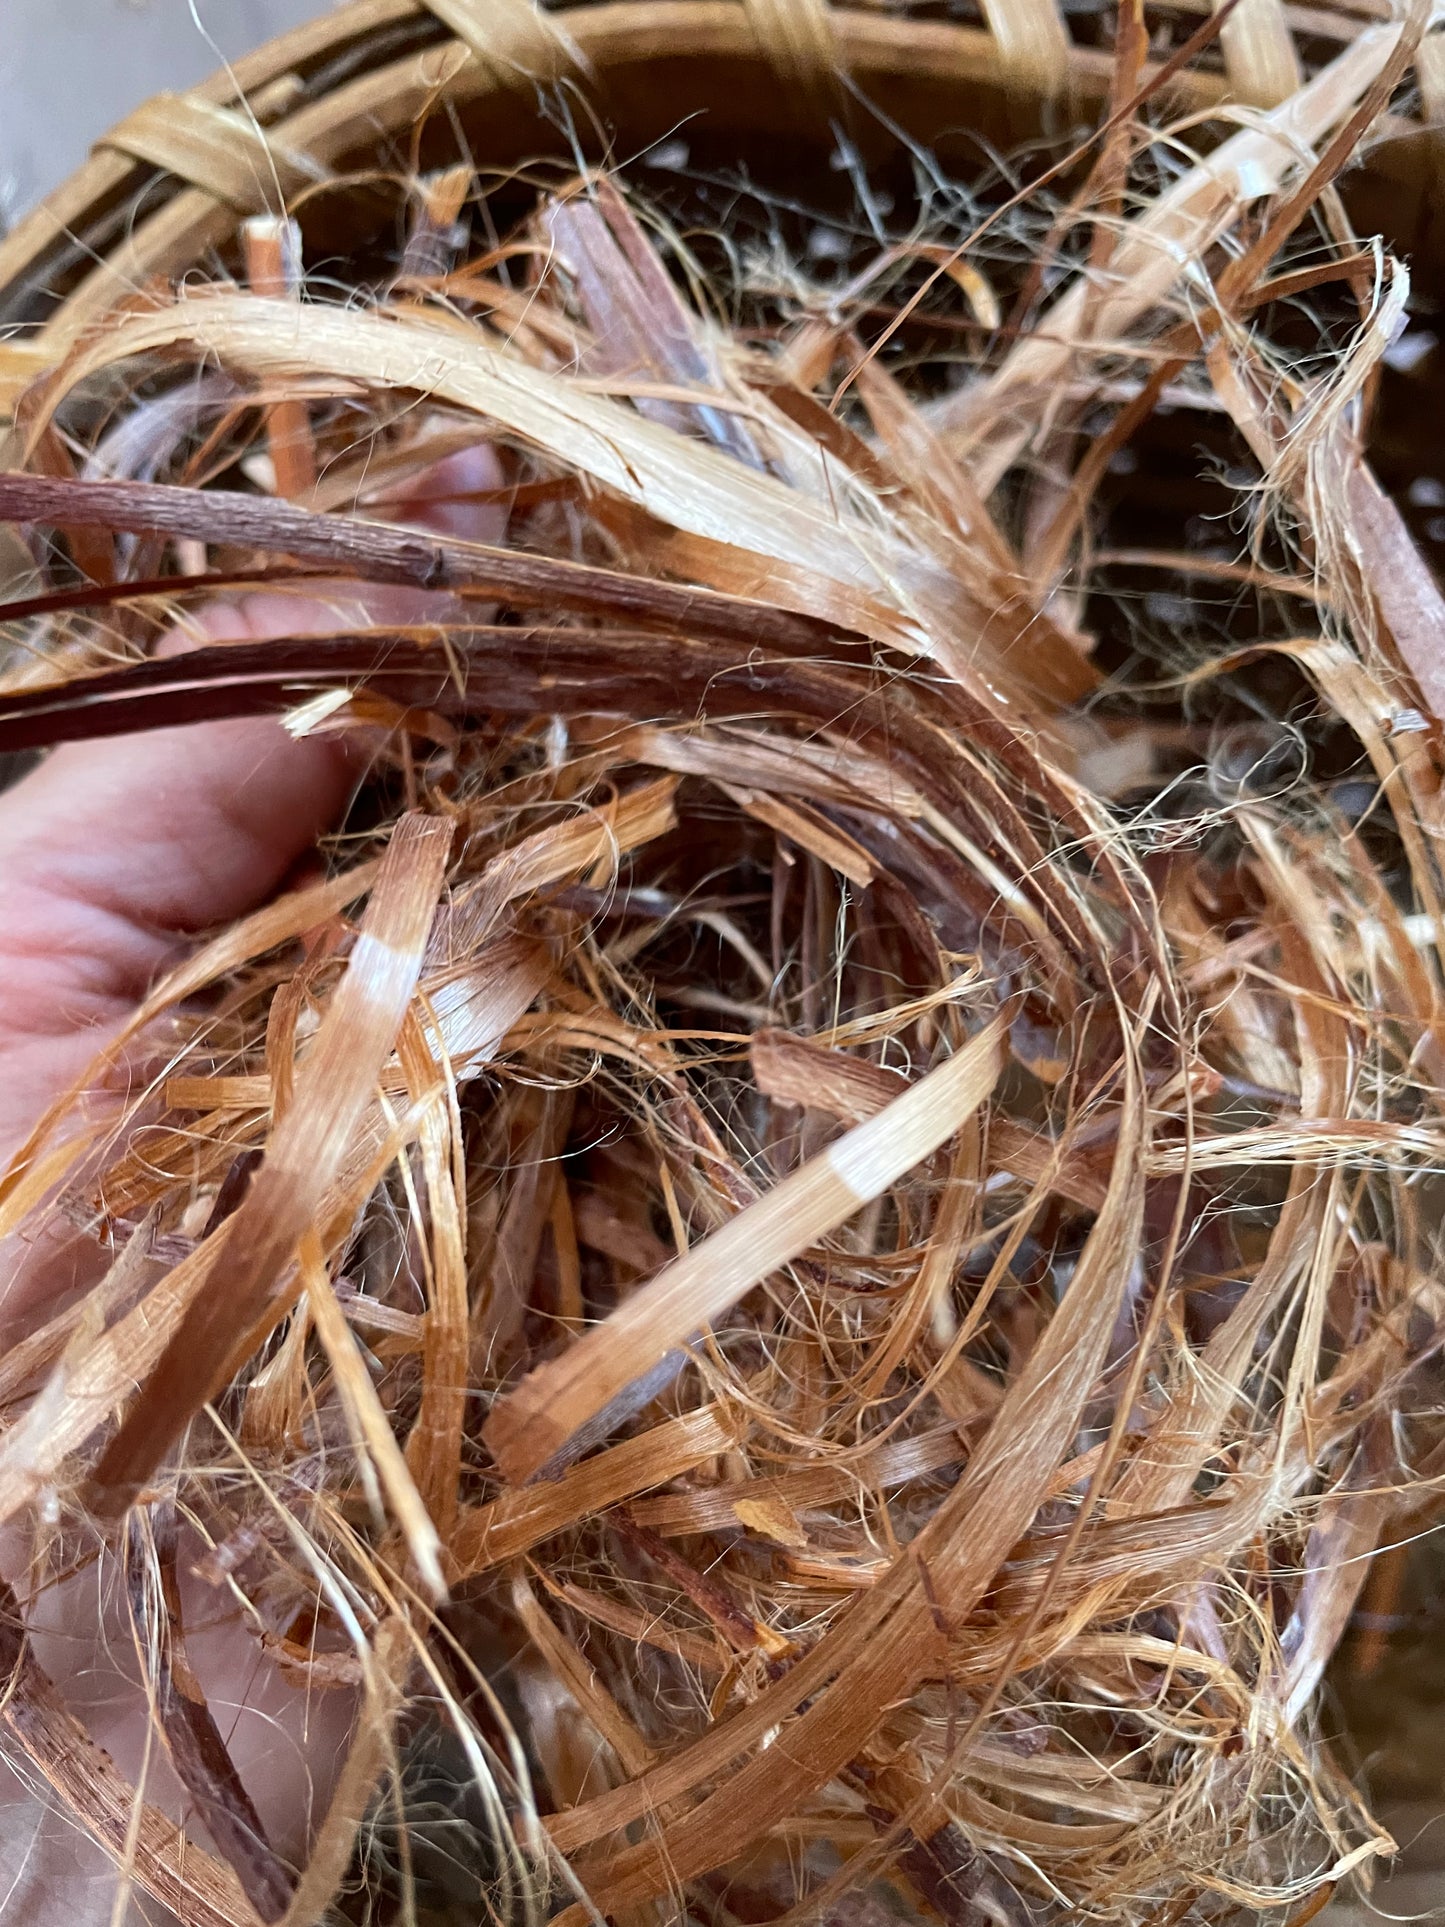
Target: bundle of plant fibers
{"points": [[803, 1278]]}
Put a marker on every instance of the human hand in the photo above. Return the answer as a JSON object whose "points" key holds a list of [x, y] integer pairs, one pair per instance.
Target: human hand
{"points": [[114, 855]]}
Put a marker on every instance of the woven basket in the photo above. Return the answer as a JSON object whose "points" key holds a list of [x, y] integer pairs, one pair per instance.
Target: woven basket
{"points": [[305, 117], [326, 120]]}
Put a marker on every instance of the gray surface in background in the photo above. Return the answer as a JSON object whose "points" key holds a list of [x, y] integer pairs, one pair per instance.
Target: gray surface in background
{"points": [[70, 69]]}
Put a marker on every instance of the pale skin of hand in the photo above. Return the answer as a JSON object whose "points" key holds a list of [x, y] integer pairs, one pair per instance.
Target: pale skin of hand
{"points": [[114, 856]]}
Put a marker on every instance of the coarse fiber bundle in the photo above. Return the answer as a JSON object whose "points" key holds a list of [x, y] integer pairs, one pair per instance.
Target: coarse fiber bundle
{"points": [[797, 1279]]}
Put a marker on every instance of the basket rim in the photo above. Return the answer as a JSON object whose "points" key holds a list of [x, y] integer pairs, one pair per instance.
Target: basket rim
{"points": [[147, 204]]}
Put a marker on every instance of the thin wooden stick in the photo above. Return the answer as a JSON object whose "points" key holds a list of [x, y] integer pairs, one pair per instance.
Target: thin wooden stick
{"points": [[273, 267]]}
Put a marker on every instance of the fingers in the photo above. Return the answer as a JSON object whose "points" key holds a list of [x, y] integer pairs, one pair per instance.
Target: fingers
{"points": [[111, 856], [286, 1738], [112, 852]]}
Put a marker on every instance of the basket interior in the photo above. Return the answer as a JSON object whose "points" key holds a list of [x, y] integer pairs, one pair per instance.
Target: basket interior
{"points": [[381, 85], [681, 99]]}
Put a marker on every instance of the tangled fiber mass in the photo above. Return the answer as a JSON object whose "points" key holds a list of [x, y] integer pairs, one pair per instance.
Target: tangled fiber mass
{"points": [[808, 1270]]}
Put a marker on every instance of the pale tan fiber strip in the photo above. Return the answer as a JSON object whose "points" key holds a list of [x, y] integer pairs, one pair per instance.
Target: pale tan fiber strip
{"points": [[28, 1176], [828, 770], [860, 580], [1033, 43], [277, 923], [1319, 1141], [305, 1153], [721, 1508], [491, 1534], [530, 1427], [1406, 591], [386, 1666], [1430, 72], [810, 831], [880, 1651], [633, 1623], [20, 363], [798, 39], [1259, 53], [598, 835], [369, 1421], [569, 1664], [87, 1387], [705, 1758], [33, 1172], [220, 151], [468, 1017], [1147, 263], [512, 38], [82, 1392], [434, 1448], [272, 248], [248, 1093]]}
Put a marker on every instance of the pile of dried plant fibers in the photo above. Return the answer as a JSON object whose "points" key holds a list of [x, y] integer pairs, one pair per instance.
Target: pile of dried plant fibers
{"points": [[807, 1274]]}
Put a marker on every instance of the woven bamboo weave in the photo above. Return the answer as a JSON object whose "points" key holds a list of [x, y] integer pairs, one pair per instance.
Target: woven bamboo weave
{"points": [[297, 121]]}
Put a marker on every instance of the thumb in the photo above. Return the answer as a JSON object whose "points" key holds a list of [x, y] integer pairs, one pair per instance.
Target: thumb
{"points": [[113, 853]]}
